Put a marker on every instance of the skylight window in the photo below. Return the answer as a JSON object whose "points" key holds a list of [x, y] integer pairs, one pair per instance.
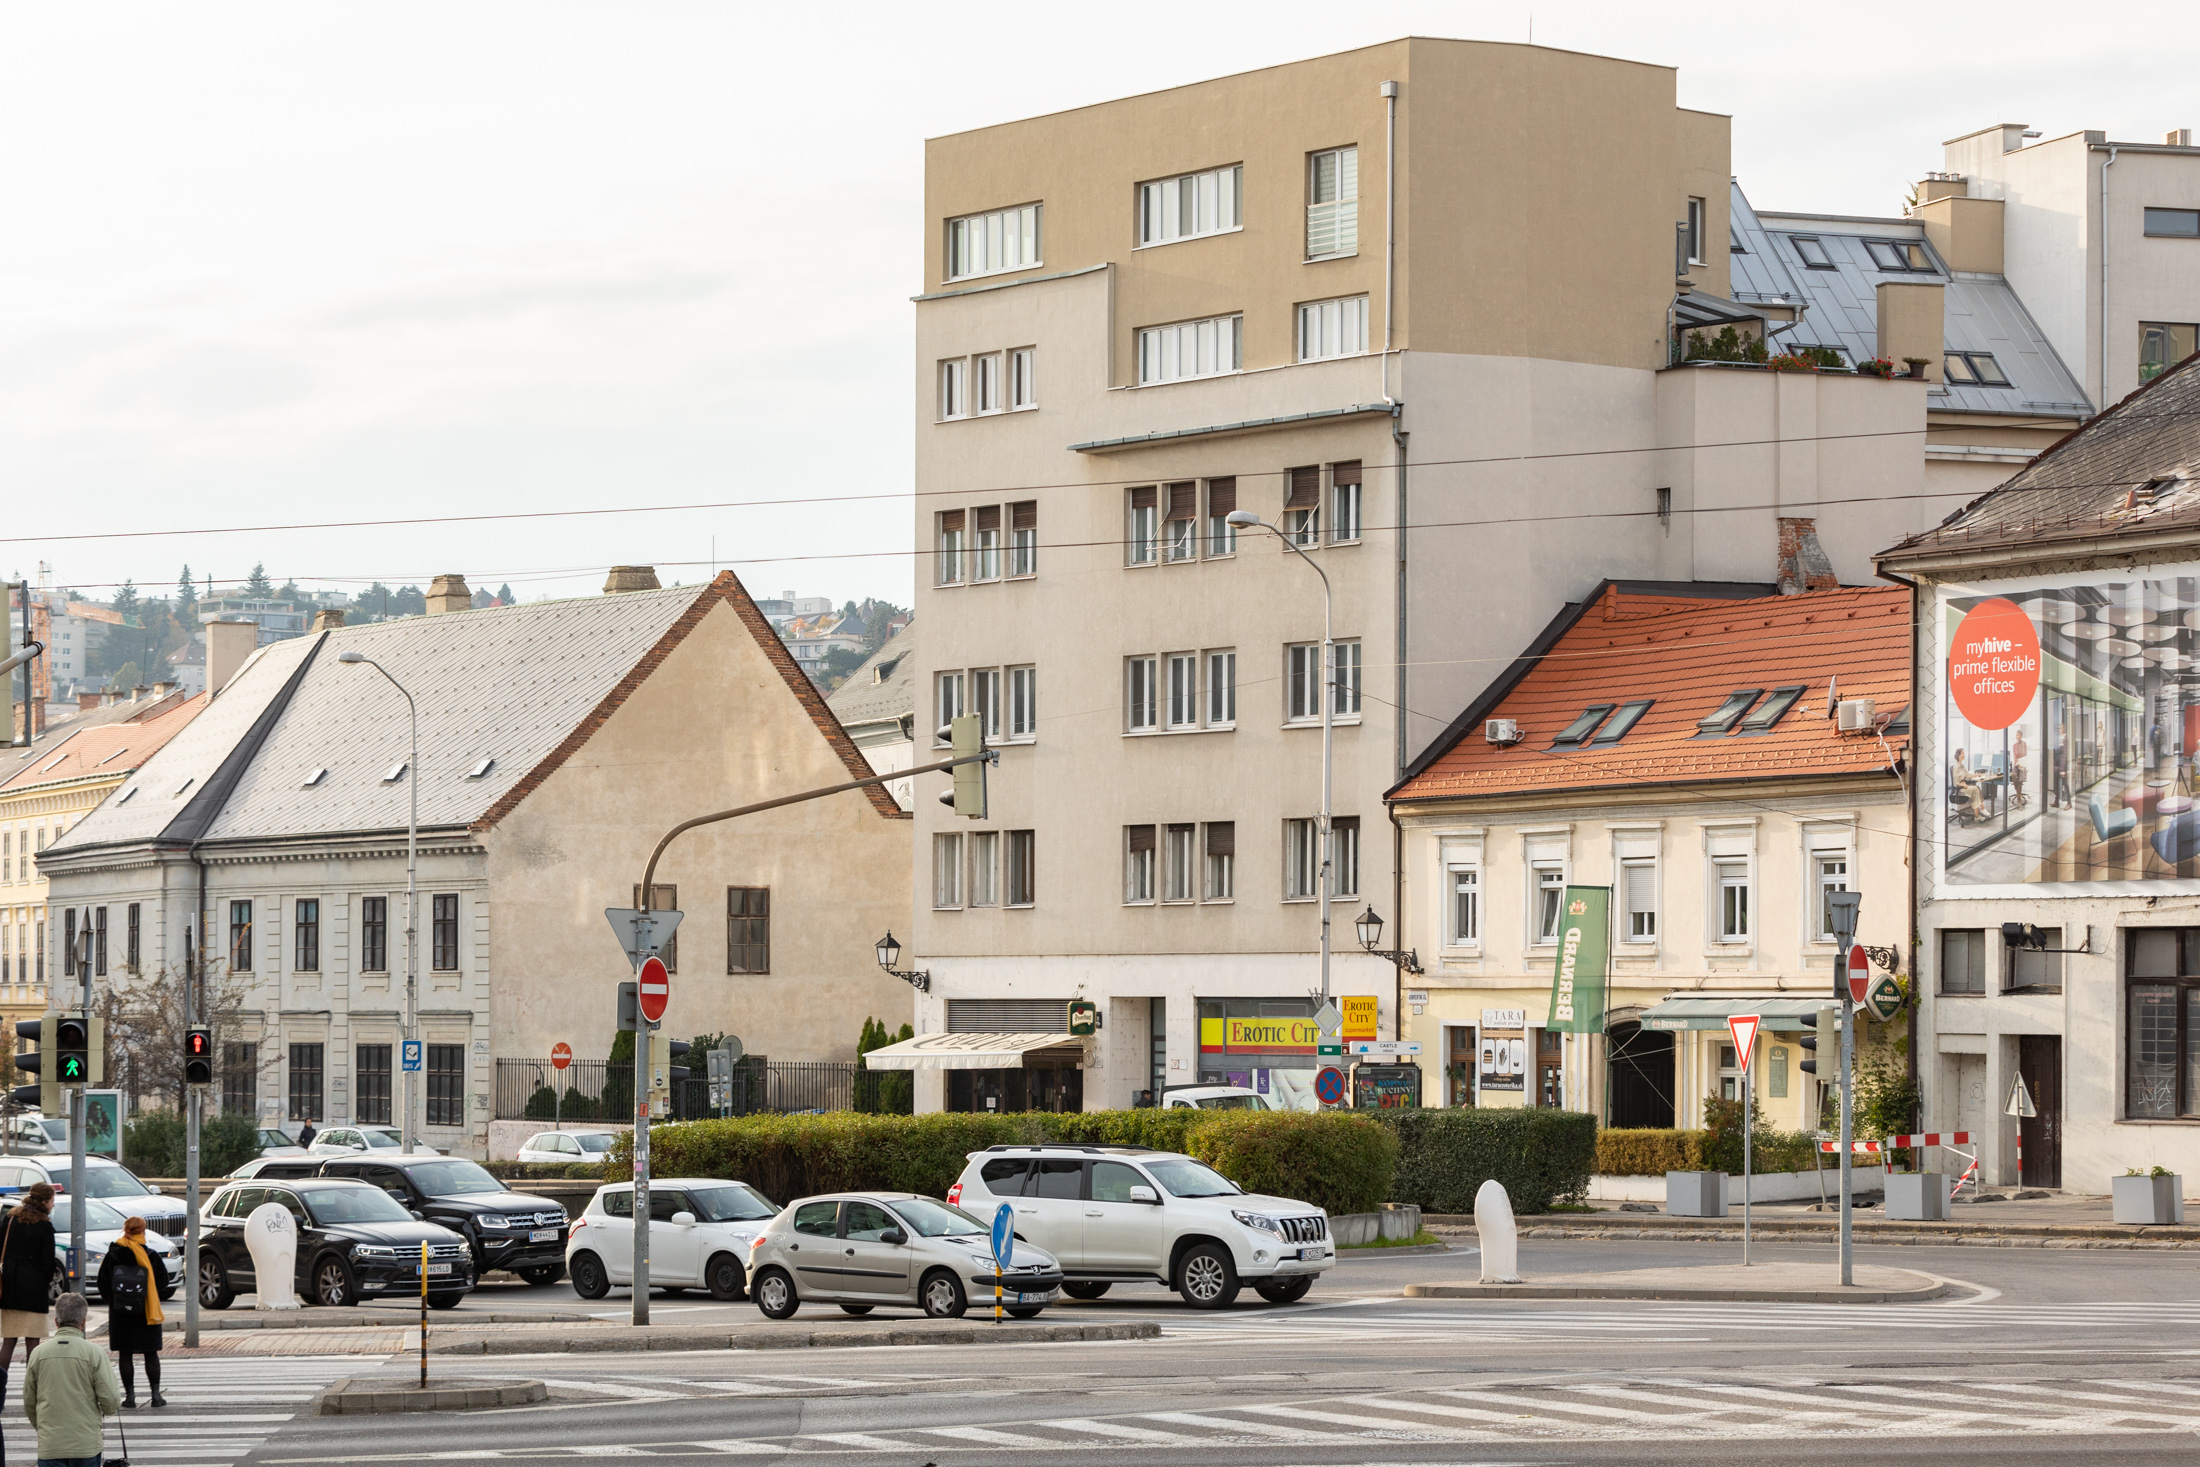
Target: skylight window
{"points": [[117, 754], [127, 794], [1904, 255], [482, 768], [312, 779], [55, 765], [1974, 369], [1582, 727], [397, 772], [1779, 703], [1724, 716], [1628, 716], [1812, 252], [194, 779]]}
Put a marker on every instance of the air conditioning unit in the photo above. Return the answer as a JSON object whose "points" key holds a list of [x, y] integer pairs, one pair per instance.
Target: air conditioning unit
{"points": [[1503, 732], [1855, 715]]}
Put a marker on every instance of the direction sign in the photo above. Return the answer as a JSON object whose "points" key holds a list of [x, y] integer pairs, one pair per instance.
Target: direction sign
{"points": [[412, 1054], [1329, 1085], [642, 934], [1884, 997], [1744, 1029], [1329, 1047], [2020, 1101], [1004, 1235], [561, 1055], [656, 988], [1860, 973], [1385, 1046]]}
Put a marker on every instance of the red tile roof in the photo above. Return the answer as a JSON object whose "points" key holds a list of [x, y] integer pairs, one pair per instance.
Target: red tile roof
{"points": [[1688, 654], [108, 748]]}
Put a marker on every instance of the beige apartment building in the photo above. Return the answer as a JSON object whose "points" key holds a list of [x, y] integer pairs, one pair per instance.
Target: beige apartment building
{"points": [[1413, 305]]}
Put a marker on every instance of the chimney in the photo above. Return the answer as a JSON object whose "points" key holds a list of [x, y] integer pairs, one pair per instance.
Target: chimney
{"points": [[228, 645], [449, 593], [162, 690], [137, 693], [328, 619], [1803, 562], [87, 701], [631, 578]]}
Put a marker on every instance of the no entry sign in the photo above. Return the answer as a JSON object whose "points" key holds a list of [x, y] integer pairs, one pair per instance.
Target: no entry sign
{"points": [[655, 991], [1860, 974], [561, 1055]]}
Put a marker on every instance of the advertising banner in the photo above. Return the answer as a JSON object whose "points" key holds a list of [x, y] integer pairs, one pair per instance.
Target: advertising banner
{"points": [[1359, 1016], [1502, 1051], [2069, 714], [1232, 1036], [1584, 951]]}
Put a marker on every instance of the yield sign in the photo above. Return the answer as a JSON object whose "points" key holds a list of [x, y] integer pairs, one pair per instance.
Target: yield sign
{"points": [[642, 934], [1860, 974], [1744, 1027], [656, 989], [2020, 1101]]}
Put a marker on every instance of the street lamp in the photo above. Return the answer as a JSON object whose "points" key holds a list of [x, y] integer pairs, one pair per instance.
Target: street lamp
{"points": [[412, 886], [1245, 519], [1369, 927], [889, 953]]}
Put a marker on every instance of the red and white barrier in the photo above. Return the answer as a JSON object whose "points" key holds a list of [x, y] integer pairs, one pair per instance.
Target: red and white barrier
{"points": [[1900, 1143]]}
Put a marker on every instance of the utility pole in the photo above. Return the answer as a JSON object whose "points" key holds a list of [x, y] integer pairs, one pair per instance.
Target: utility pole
{"points": [[1843, 905], [192, 1096], [78, 1212]]}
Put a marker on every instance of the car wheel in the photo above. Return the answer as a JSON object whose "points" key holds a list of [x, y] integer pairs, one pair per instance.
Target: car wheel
{"points": [[858, 1309], [214, 1290], [1084, 1291], [1285, 1291], [724, 1276], [1026, 1312], [444, 1301], [549, 1273], [589, 1279], [941, 1293], [1206, 1277], [332, 1284], [775, 1295]]}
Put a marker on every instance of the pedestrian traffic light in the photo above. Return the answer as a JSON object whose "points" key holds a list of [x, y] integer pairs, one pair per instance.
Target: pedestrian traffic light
{"points": [[1824, 1039], [46, 1094], [966, 736], [198, 1057], [72, 1046]]}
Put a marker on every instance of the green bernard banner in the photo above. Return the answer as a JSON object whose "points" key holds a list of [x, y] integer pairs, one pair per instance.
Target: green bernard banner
{"points": [[1584, 955]]}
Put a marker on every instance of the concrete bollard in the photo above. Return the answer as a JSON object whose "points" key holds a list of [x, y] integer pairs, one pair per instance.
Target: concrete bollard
{"points": [[1500, 1237], [272, 1239]]}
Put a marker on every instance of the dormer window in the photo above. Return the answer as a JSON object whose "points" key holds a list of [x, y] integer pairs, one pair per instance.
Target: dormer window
{"points": [[1727, 714], [1579, 730]]}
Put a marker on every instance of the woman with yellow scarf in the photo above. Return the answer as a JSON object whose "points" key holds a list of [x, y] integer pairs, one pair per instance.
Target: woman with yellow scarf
{"points": [[129, 1284]]}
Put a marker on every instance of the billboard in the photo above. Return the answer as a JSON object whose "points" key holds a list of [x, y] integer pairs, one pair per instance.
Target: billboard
{"points": [[2070, 720]]}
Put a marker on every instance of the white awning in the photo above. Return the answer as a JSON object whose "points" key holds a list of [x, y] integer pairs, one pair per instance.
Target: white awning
{"points": [[975, 1051]]}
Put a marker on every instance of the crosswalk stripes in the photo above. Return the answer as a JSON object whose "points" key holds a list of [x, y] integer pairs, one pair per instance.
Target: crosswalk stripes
{"points": [[220, 1409]]}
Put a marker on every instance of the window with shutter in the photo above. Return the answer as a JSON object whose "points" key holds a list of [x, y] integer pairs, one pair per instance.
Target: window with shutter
{"points": [[1180, 535], [1344, 501], [985, 543], [1221, 500], [1138, 854], [1332, 203], [1140, 543], [1640, 882], [1023, 538], [1302, 509], [1221, 860], [950, 557]]}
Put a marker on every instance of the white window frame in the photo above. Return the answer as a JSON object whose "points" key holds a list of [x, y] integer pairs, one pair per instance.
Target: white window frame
{"points": [[1183, 691], [947, 873], [1333, 328], [985, 384], [1346, 675], [1546, 895], [1632, 931], [1698, 223], [1023, 704], [1219, 341], [1344, 867], [1333, 209], [998, 242], [985, 552], [1302, 683], [1345, 503], [1179, 862], [948, 564], [985, 868], [1142, 532], [1221, 688], [1221, 536], [1141, 694], [947, 697], [1732, 904], [954, 389], [1216, 197], [1218, 870], [1462, 919], [1023, 550], [1302, 859], [1138, 871], [1180, 540], [1009, 895], [985, 700], [1023, 379]]}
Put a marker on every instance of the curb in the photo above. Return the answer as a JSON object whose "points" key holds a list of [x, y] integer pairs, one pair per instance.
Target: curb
{"points": [[1649, 1224], [1733, 1234], [1013, 1333], [1416, 1250], [341, 1399], [1759, 1296], [348, 1318]]}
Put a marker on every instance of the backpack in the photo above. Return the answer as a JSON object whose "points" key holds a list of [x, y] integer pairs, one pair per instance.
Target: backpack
{"points": [[127, 1290]]}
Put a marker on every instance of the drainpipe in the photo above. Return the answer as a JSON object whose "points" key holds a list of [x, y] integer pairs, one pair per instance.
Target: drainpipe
{"points": [[1390, 226], [2102, 400]]}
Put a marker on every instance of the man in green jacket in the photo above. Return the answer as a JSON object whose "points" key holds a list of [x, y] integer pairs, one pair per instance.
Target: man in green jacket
{"points": [[71, 1386]]}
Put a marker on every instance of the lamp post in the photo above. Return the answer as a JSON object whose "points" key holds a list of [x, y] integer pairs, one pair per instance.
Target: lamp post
{"points": [[1245, 519], [1369, 928], [412, 885], [889, 953]]}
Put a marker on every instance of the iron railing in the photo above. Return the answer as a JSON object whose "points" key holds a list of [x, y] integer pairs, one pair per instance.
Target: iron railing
{"points": [[598, 1090]]}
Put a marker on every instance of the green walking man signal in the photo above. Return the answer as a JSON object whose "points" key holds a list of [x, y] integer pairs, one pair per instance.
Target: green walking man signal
{"points": [[72, 1053]]}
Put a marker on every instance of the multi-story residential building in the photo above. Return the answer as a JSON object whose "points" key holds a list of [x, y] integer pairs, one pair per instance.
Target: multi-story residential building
{"points": [[1415, 307], [1672, 744], [878, 707], [2058, 839], [810, 638], [557, 743], [786, 606], [278, 619], [2100, 238]]}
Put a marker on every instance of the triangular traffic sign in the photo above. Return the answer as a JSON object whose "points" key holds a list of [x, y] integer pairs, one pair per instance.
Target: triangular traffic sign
{"points": [[2020, 1101], [642, 934], [1744, 1029]]}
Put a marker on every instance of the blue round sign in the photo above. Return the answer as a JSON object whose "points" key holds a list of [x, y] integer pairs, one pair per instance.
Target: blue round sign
{"points": [[1329, 1086], [1004, 1234]]}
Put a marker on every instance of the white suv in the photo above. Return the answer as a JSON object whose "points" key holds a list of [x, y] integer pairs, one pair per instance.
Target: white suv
{"points": [[1121, 1214]]}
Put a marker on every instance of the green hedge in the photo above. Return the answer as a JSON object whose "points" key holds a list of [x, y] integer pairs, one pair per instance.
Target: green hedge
{"points": [[1649, 1152], [1541, 1156]]}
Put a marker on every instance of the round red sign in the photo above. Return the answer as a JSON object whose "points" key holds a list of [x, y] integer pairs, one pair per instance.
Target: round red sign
{"points": [[1994, 664], [654, 989], [561, 1055]]}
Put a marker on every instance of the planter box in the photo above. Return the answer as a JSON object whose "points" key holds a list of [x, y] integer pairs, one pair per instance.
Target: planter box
{"points": [[1399, 1221], [2148, 1201], [1918, 1196], [1695, 1194]]}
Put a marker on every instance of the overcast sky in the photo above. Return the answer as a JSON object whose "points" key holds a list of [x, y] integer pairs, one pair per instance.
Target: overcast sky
{"points": [[272, 264]]}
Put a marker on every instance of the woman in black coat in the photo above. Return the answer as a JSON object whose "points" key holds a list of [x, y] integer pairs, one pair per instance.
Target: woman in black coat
{"points": [[129, 1284], [28, 1263]]}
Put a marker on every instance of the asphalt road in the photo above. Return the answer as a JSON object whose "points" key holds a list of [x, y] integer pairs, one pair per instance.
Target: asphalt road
{"points": [[2075, 1357]]}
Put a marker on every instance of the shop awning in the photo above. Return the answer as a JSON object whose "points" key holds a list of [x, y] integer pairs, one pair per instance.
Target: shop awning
{"points": [[976, 1052], [1712, 1013]]}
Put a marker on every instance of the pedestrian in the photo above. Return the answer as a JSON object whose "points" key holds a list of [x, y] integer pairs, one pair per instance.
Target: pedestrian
{"points": [[69, 1390], [28, 1263], [305, 1137], [128, 1283], [2062, 773]]}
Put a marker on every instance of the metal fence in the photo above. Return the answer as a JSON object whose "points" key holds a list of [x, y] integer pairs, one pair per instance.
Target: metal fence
{"points": [[597, 1090]]}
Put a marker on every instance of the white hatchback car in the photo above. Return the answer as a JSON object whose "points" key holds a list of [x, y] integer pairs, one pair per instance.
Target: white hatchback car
{"points": [[1123, 1214], [573, 1146], [104, 1179], [699, 1236]]}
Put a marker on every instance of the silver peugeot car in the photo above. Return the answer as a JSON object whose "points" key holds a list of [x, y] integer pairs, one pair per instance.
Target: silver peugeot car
{"points": [[861, 1250]]}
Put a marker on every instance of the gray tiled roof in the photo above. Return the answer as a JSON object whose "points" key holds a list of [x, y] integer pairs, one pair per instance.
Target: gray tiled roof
{"points": [[861, 699], [2081, 488], [507, 683], [1841, 308]]}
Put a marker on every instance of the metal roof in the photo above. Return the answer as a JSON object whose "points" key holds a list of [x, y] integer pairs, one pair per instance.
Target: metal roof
{"points": [[866, 698]]}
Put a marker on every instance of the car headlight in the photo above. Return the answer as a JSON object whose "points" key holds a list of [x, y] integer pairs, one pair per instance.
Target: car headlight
{"points": [[493, 1220], [1255, 1220], [983, 1260], [373, 1250]]}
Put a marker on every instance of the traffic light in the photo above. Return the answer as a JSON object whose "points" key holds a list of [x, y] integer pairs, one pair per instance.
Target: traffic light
{"points": [[198, 1057], [966, 736], [72, 1045], [46, 1094], [1824, 1039], [663, 1050]]}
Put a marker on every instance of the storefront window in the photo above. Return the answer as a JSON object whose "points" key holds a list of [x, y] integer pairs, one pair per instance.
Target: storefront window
{"points": [[2162, 995], [1264, 1044]]}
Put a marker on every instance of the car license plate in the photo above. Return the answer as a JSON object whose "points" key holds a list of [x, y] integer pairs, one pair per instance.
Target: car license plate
{"points": [[437, 1269], [543, 1235], [1046, 1298], [1307, 1253]]}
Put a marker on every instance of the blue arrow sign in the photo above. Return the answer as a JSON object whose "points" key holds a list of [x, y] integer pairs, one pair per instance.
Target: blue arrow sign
{"points": [[412, 1054], [1004, 1234]]}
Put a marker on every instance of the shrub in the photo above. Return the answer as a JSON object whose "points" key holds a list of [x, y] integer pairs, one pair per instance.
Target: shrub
{"points": [[1540, 1156], [153, 1144], [1728, 346], [1649, 1152], [1341, 1161]]}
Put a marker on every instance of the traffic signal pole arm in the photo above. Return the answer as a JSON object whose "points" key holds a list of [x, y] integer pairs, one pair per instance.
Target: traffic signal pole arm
{"points": [[649, 872]]}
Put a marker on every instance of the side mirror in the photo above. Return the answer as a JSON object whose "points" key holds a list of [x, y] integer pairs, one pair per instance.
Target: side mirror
{"points": [[416, 1214], [893, 1235], [683, 1219], [1145, 1194], [397, 1194]]}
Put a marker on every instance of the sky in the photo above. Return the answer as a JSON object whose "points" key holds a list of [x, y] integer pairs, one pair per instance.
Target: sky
{"points": [[282, 265]]}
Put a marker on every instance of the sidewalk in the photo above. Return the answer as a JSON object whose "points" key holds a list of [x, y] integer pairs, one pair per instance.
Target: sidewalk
{"points": [[602, 1337]]}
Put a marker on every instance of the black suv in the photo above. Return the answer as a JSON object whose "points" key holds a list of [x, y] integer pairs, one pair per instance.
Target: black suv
{"points": [[353, 1243], [502, 1229]]}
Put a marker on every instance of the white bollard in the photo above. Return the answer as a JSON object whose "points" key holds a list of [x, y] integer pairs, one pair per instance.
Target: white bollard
{"points": [[272, 1238], [1493, 1223]]}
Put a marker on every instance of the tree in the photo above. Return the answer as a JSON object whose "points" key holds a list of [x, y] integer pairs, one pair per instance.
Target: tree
{"points": [[187, 599], [145, 1029], [505, 596], [290, 593], [126, 677], [839, 663], [126, 600], [257, 585]]}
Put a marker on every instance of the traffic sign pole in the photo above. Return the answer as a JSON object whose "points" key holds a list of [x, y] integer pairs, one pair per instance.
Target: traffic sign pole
{"points": [[561, 1055], [1843, 905], [1744, 1029]]}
